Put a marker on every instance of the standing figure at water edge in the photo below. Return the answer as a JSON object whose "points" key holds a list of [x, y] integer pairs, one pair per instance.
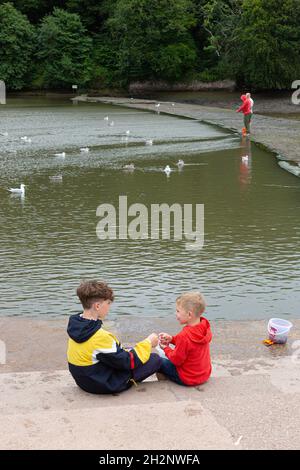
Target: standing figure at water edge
{"points": [[248, 95], [246, 108]]}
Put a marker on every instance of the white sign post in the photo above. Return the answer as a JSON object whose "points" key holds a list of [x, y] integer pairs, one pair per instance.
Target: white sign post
{"points": [[2, 92]]}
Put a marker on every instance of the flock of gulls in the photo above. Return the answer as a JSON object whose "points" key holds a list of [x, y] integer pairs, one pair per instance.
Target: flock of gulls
{"points": [[84, 150]]}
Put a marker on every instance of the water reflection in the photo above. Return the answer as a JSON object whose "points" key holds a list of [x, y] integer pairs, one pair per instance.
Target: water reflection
{"points": [[245, 162]]}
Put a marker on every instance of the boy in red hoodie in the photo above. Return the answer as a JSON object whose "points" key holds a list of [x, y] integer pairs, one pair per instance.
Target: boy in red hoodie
{"points": [[189, 362]]}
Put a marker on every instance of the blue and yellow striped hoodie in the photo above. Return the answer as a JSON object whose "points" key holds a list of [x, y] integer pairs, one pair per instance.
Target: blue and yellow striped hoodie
{"points": [[97, 360]]}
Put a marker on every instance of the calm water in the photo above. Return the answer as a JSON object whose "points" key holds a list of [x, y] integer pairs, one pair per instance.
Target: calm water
{"points": [[249, 267]]}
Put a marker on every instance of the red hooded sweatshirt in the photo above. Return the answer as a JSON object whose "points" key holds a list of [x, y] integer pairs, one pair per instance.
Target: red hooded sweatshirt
{"points": [[246, 106], [191, 355]]}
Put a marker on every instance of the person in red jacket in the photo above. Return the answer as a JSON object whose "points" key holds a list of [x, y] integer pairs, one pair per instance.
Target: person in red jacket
{"points": [[246, 108], [188, 363]]}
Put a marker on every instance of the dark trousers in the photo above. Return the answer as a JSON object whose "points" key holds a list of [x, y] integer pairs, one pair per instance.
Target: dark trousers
{"points": [[170, 371], [149, 368], [247, 120]]}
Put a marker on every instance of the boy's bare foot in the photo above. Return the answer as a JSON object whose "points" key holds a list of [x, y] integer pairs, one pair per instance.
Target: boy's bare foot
{"points": [[160, 376]]}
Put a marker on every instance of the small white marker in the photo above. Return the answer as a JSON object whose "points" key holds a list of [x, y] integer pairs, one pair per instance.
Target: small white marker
{"points": [[238, 441]]}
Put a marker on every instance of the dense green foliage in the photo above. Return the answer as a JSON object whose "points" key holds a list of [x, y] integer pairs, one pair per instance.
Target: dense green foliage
{"points": [[268, 38], [100, 43], [16, 46], [150, 43], [63, 50]]}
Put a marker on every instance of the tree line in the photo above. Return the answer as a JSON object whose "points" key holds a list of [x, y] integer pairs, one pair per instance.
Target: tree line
{"points": [[109, 43]]}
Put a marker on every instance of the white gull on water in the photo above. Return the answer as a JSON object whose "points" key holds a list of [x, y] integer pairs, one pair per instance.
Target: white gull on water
{"points": [[20, 190], [167, 170]]}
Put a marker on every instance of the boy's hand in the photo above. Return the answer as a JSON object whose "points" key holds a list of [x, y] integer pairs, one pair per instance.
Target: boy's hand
{"points": [[153, 338], [164, 339]]}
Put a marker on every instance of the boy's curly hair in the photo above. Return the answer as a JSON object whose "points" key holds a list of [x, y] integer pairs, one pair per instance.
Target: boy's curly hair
{"points": [[90, 292]]}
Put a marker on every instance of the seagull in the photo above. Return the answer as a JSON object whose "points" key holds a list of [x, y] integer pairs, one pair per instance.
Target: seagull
{"points": [[245, 158], [149, 142], [127, 132], [157, 105], [180, 163], [106, 118], [63, 154], [112, 123], [26, 139], [129, 167], [167, 170], [173, 104], [84, 150], [20, 190]]}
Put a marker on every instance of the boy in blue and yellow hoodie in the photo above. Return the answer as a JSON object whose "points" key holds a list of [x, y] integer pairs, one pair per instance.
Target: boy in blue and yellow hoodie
{"points": [[97, 360]]}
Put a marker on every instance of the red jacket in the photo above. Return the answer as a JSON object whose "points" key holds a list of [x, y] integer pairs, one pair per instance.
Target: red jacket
{"points": [[246, 106], [191, 355]]}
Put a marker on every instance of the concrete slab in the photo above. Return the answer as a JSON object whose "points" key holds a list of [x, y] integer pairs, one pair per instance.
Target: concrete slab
{"points": [[180, 425], [46, 410], [250, 402]]}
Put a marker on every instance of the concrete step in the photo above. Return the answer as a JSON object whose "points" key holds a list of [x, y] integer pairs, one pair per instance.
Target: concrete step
{"points": [[42, 410], [250, 405]]}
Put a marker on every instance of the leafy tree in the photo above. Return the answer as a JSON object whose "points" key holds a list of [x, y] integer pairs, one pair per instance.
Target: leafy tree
{"points": [[92, 13], [220, 18], [63, 50], [267, 43], [35, 10], [112, 42], [16, 46], [214, 33], [152, 38]]}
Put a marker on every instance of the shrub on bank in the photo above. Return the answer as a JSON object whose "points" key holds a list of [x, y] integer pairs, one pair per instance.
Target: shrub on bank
{"points": [[17, 38]]}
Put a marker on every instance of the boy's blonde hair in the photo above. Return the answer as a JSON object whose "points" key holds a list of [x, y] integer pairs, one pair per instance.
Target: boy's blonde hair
{"points": [[192, 301]]}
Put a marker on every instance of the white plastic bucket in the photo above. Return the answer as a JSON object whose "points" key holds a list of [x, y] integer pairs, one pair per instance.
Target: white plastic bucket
{"points": [[279, 329]]}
